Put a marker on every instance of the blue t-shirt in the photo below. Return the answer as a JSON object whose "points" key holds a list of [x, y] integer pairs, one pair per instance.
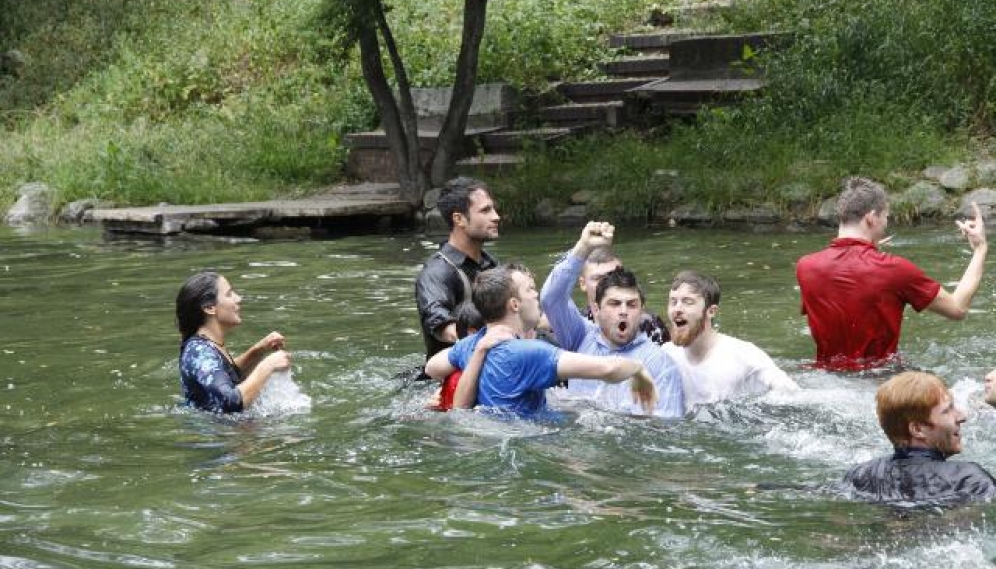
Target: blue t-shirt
{"points": [[515, 374], [207, 378]]}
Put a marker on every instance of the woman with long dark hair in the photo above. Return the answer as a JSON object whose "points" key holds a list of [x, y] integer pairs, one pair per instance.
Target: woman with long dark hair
{"points": [[211, 379]]}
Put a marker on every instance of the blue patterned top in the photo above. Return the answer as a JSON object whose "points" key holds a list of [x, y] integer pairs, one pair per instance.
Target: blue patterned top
{"points": [[208, 378]]}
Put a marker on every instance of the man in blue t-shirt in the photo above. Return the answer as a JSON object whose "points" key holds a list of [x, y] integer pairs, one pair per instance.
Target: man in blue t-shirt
{"points": [[514, 374]]}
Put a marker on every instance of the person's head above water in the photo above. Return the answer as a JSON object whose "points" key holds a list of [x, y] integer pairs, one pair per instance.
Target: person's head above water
{"points": [[599, 263], [467, 206], [863, 210], [692, 305], [860, 196], [916, 410], [618, 306], [207, 300], [199, 292], [468, 319], [508, 294]]}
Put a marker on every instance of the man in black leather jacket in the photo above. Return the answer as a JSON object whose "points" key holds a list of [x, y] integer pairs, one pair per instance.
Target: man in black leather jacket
{"points": [[918, 415], [444, 282]]}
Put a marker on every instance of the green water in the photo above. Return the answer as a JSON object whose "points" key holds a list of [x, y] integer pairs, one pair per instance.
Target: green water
{"points": [[100, 467]]}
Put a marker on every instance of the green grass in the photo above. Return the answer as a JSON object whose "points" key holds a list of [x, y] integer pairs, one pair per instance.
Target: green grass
{"points": [[195, 102]]}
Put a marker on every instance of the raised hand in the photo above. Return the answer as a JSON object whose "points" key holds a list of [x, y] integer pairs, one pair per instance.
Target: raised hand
{"points": [[595, 234], [974, 229], [272, 341]]}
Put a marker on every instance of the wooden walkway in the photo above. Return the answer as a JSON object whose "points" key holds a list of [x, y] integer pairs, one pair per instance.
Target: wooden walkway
{"points": [[342, 205]]}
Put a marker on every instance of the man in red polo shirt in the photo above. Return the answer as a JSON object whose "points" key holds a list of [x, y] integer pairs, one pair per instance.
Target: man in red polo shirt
{"points": [[854, 295]]}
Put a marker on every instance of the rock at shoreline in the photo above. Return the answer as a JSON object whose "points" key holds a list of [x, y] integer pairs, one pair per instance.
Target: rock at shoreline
{"points": [[35, 206], [76, 212], [922, 200], [957, 178], [986, 200]]}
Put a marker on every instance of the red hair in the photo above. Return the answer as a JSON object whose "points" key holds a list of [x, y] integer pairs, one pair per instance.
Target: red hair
{"points": [[907, 398]]}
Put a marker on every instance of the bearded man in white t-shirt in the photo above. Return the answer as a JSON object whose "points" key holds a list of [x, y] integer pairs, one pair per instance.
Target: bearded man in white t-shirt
{"points": [[713, 366]]}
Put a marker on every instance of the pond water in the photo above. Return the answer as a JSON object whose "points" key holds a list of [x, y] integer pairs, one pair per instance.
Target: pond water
{"points": [[100, 466]]}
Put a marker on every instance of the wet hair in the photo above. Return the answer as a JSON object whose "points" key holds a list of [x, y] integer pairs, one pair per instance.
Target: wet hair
{"points": [[617, 277], [493, 289], [199, 292], [455, 197], [468, 318], [860, 197], [601, 255], [907, 398], [700, 283]]}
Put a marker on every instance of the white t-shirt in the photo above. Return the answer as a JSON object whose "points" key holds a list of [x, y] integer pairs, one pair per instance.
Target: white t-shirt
{"points": [[732, 368]]}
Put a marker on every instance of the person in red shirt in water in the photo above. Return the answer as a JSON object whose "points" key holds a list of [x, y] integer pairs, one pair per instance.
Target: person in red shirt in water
{"points": [[854, 295]]}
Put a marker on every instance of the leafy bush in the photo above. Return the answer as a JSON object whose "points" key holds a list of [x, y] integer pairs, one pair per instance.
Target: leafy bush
{"points": [[209, 101], [526, 43]]}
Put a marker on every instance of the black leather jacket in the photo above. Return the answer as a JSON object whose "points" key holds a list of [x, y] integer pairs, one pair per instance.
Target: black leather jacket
{"points": [[921, 476], [439, 289]]}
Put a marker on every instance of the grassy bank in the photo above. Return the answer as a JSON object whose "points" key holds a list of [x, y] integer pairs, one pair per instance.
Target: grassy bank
{"points": [[867, 89], [195, 102]]}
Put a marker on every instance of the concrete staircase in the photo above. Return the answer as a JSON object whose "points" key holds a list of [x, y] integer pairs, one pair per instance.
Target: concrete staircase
{"points": [[664, 75]]}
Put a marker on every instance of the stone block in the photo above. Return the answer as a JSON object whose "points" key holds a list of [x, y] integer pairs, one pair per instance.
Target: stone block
{"points": [[985, 198], [691, 214], [493, 102], [957, 178], [35, 206], [827, 214], [434, 223], [573, 216]]}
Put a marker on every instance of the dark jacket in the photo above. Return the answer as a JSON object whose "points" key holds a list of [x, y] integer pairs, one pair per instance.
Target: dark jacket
{"points": [[920, 475], [439, 289]]}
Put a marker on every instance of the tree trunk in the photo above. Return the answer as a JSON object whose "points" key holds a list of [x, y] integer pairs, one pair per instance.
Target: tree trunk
{"points": [[400, 122], [415, 170], [451, 135]]}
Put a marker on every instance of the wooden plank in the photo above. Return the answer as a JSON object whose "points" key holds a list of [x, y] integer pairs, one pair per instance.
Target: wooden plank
{"points": [[170, 219]]}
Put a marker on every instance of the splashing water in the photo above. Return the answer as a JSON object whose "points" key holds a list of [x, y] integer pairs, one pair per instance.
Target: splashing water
{"points": [[281, 396]]}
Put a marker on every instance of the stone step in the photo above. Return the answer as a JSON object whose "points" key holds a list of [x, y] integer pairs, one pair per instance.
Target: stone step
{"points": [[692, 89], [676, 98], [721, 56], [485, 165], [427, 138], [598, 91], [370, 158], [638, 66], [653, 42], [608, 114], [508, 141]]}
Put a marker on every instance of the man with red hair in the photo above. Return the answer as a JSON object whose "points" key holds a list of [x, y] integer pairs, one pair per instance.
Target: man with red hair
{"points": [[918, 415]]}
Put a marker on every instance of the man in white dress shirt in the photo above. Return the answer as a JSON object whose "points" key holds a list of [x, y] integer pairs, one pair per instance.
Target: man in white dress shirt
{"points": [[713, 366]]}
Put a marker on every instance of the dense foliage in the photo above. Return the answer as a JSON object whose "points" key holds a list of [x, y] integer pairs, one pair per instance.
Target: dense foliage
{"points": [[193, 102], [880, 88]]}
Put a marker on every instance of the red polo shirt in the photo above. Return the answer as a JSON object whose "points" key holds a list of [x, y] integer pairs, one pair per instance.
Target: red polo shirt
{"points": [[854, 296]]}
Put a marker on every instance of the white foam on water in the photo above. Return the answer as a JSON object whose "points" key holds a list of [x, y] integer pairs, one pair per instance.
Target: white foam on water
{"points": [[273, 264], [835, 425], [281, 396]]}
